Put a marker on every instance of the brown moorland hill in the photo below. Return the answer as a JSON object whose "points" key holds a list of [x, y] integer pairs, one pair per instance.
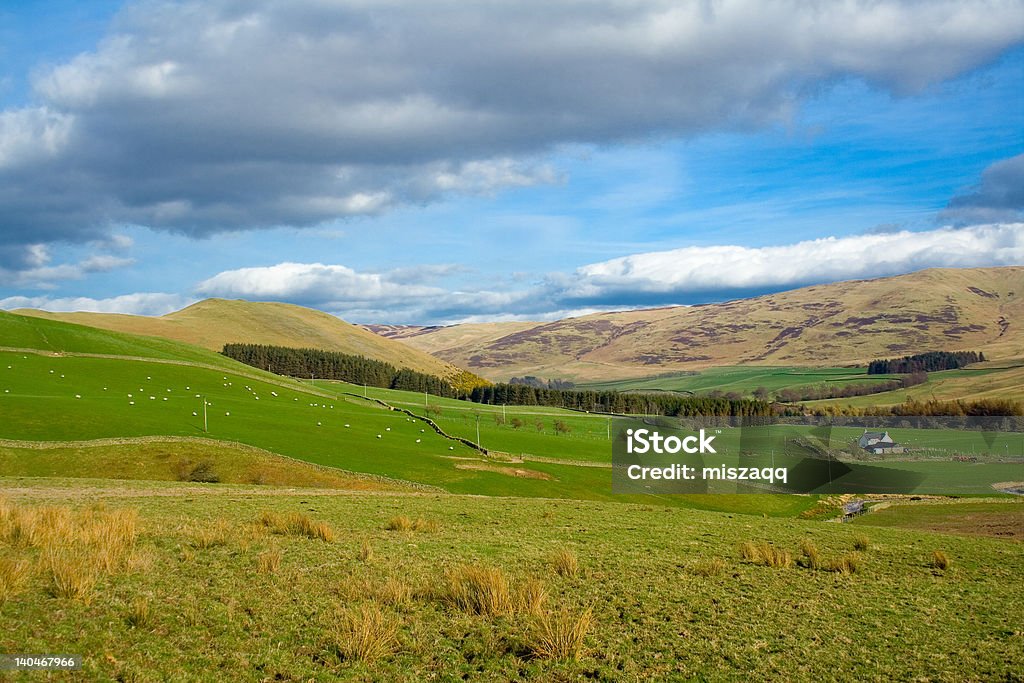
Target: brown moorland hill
{"points": [[843, 323]]}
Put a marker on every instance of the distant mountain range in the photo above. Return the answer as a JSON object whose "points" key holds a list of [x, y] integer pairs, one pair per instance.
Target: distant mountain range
{"points": [[977, 309]]}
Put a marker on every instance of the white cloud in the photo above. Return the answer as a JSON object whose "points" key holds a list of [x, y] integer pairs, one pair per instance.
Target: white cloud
{"points": [[310, 282], [680, 276], [142, 303], [730, 268]]}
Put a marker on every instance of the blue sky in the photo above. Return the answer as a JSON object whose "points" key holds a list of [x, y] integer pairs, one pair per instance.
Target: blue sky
{"points": [[403, 163]]}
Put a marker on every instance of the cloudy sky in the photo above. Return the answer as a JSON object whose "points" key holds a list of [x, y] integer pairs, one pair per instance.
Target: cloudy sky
{"points": [[434, 161]]}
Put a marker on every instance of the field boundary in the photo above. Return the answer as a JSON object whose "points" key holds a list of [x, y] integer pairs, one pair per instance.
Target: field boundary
{"points": [[433, 425]]}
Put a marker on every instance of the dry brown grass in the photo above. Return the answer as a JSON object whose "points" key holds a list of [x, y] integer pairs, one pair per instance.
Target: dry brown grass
{"points": [[565, 562], [811, 557], [72, 570], [861, 542], [399, 523], [845, 564], [34, 527], [365, 633], [14, 574], [531, 597], [940, 560], [560, 635], [707, 567], [479, 590], [404, 523], [297, 524], [427, 525], [212, 535], [365, 552], [765, 554], [269, 561], [75, 547], [393, 591], [140, 613], [112, 536]]}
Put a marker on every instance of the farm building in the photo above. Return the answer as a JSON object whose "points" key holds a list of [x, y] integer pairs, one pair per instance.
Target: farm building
{"points": [[872, 438], [879, 443]]}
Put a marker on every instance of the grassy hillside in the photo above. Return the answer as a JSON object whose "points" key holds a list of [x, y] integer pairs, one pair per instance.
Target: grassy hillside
{"points": [[1000, 519], [535, 452], [24, 332], [215, 322], [167, 459], [846, 323], [969, 384], [131, 396], [490, 589]]}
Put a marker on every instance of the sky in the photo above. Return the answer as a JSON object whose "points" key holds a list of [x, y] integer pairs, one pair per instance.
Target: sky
{"points": [[438, 161]]}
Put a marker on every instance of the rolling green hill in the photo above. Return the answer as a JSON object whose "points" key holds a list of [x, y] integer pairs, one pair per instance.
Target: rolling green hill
{"points": [[215, 322], [60, 393]]}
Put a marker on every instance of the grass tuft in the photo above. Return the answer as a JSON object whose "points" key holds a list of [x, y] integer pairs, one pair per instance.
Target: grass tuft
{"points": [[72, 572], [140, 614], [365, 634], [14, 574], [393, 592], [810, 557], [269, 561], [404, 523], [213, 535], [560, 635], [765, 554], [861, 543], [297, 524], [565, 562], [940, 560], [427, 525], [707, 567], [399, 523], [365, 552], [845, 564], [479, 590], [531, 597]]}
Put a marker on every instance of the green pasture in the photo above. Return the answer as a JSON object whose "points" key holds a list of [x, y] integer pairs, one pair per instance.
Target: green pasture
{"points": [[670, 596], [743, 379]]}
